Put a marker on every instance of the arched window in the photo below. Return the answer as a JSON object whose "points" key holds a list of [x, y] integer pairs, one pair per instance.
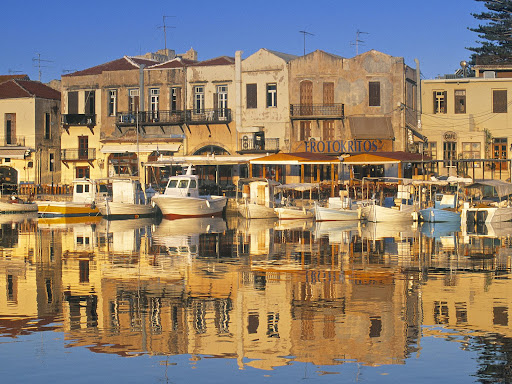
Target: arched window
{"points": [[211, 149]]}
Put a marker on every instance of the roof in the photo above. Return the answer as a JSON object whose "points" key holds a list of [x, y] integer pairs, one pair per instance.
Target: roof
{"points": [[285, 56], [295, 158], [124, 64], [502, 188], [384, 158], [177, 62], [221, 60], [11, 77], [13, 89]]}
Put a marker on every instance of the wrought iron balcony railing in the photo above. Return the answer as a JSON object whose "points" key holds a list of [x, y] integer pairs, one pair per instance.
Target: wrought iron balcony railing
{"points": [[78, 154], [18, 141], [248, 144], [317, 110], [79, 119], [190, 116]]}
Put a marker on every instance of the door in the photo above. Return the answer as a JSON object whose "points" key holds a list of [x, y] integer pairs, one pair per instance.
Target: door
{"points": [[83, 147], [499, 149]]}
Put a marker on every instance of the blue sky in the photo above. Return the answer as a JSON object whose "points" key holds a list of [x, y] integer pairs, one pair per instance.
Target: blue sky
{"points": [[77, 35]]}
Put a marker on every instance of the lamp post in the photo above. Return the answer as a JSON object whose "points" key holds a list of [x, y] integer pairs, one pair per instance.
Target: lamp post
{"points": [[52, 169]]}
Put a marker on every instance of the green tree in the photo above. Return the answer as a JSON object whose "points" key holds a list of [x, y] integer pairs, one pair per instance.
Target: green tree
{"points": [[496, 33]]}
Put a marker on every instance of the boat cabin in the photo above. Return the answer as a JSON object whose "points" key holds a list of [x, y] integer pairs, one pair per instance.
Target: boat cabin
{"points": [[186, 185], [127, 191], [86, 191]]}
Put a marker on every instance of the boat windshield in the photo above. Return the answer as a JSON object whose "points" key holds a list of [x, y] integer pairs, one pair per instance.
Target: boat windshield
{"points": [[172, 183], [183, 184]]}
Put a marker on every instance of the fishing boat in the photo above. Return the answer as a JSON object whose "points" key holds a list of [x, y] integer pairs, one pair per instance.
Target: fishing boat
{"points": [[489, 202], [399, 208], [128, 200], [86, 195], [296, 208], [444, 209], [14, 204], [336, 214], [256, 198], [181, 199]]}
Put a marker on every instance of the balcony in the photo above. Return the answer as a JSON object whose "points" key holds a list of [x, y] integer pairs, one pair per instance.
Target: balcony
{"points": [[78, 154], [150, 118], [159, 118], [256, 145], [78, 119], [317, 111], [18, 141]]}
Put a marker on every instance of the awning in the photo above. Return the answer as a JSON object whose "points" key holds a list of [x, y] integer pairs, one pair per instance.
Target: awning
{"points": [[367, 159], [417, 134], [13, 153], [502, 188], [142, 147], [362, 127]]}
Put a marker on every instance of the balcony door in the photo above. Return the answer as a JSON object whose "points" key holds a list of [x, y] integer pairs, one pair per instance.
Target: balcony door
{"points": [[499, 149], [83, 147]]}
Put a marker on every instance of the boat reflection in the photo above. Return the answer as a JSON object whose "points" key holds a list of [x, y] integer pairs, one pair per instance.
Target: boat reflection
{"points": [[263, 292]]}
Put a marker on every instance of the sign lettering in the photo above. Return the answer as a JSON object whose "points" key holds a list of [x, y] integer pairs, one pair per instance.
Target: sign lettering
{"points": [[341, 146]]}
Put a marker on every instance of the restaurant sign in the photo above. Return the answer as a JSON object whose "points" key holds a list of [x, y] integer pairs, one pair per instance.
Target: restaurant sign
{"points": [[345, 146]]}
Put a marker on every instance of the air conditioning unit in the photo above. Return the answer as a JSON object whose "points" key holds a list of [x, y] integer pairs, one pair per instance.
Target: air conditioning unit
{"points": [[489, 75]]}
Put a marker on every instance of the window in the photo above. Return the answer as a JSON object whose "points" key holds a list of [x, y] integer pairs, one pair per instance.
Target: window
{"points": [[81, 172], [83, 147], [10, 128], [472, 151], [271, 95], [222, 100], [430, 149], [439, 101], [328, 130], [72, 103], [90, 102], [199, 99], [154, 100], [499, 101], [133, 100], [374, 93], [112, 102], [175, 99], [51, 166], [47, 126], [305, 130], [449, 153], [252, 96], [460, 101]]}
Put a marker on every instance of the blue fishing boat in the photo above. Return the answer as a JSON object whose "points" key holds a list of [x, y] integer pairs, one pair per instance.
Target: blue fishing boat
{"points": [[444, 210]]}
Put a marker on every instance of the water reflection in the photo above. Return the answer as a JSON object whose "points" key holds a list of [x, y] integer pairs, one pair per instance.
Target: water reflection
{"points": [[263, 292]]}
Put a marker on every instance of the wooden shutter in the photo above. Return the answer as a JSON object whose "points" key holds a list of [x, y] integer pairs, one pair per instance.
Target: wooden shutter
{"points": [[499, 101], [178, 99], [329, 93], [445, 102], [374, 93], [72, 103], [306, 97], [215, 101], [252, 96], [434, 97], [90, 107]]}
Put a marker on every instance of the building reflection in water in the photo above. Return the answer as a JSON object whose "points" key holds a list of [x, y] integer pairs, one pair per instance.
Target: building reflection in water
{"points": [[262, 292]]}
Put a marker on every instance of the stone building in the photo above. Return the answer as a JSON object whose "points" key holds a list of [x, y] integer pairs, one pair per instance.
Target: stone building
{"points": [[29, 139]]}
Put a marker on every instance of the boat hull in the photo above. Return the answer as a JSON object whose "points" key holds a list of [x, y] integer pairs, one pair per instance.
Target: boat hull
{"points": [[291, 213], [256, 211], [334, 214], [435, 215], [376, 213], [488, 214], [13, 207], [113, 210], [175, 207], [66, 209]]}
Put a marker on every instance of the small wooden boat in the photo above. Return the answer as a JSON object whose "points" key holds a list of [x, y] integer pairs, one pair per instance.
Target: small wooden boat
{"points": [[336, 214], [128, 200], [376, 213], [290, 213], [444, 210], [256, 198], [17, 205]]}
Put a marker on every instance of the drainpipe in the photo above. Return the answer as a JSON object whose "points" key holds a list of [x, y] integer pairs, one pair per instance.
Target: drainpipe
{"points": [[141, 88], [418, 93], [238, 93]]}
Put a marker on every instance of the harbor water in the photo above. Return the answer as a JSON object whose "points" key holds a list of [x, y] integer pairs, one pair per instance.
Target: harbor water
{"points": [[215, 300]]}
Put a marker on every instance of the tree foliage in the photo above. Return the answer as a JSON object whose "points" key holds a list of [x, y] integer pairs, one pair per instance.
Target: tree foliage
{"points": [[496, 33]]}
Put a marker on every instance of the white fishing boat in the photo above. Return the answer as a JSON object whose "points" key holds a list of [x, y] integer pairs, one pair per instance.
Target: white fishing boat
{"points": [[336, 214], [291, 213], [489, 203], [397, 209], [128, 200], [444, 209], [181, 199], [86, 194], [256, 198], [13, 204], [293, 207]]}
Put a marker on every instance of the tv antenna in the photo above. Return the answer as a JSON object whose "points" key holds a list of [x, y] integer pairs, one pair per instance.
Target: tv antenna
{"points": [[38, 62], [304, 33], [358, 40], [13, 72], [164, 27]]}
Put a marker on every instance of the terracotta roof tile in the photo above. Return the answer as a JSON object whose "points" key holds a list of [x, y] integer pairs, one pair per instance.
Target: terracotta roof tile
{"points": [[222, 60], [11, 77], [27, 88], [123, 64]]}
